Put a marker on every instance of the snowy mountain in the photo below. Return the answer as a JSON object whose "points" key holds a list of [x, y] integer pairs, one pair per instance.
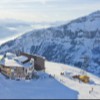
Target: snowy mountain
{"points": [[55, 87], [11, 27], [66, 43]]}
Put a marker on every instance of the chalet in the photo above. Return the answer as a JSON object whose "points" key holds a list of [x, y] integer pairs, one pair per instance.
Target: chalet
{"points": [[21, 66]]}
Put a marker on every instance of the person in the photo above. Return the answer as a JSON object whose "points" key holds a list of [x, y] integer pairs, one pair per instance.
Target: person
{"points": [[50, 76], [91, 90], [79, 80], [62, 73]]}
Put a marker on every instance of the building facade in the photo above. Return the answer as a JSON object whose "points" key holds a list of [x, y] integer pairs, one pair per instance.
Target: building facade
{"points": [[12, 66], [21, 66]]}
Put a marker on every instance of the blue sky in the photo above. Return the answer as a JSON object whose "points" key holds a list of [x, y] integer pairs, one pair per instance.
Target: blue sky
{"points": [[47, 10]]}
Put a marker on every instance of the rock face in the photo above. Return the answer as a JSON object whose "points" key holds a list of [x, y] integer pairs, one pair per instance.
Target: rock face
{"points": [[66, 43]]}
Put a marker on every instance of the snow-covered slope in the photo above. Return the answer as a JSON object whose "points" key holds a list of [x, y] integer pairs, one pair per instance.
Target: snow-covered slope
{"points": [[47, 87], [83, 89], [66, 43]]}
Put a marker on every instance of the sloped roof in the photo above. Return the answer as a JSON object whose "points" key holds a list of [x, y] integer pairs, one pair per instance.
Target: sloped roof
{"points": [[8, 54], [21, 58], [10, 63], [12, 60]]}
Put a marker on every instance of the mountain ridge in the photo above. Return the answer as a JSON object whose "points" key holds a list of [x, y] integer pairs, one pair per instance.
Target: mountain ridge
{"points": [[65, 43]]}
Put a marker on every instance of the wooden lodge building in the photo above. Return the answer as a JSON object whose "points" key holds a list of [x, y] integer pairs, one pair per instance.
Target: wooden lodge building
{"points": [[21, 66]]}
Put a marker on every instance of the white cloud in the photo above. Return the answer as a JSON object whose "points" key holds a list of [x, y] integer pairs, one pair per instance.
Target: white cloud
{"points": [[46, 10], [26, 16], [25, 1]]}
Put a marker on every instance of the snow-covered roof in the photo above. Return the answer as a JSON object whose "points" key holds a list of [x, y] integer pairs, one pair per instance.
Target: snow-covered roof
{"points": [[21, 58], [10, 63], [28, 64], [10, 55], [11, 60], [14, 63]]}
